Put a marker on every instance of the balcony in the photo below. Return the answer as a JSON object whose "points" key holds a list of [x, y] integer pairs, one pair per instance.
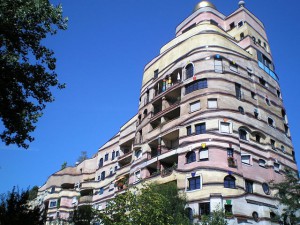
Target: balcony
{"points": [[85, 199], [268, 71]]}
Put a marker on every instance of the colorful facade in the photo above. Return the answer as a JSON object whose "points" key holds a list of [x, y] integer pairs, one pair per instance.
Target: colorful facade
{"points": [[210, 117]]}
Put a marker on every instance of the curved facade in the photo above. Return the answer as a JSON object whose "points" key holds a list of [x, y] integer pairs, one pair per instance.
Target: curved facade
{"points": [[210, 117]]}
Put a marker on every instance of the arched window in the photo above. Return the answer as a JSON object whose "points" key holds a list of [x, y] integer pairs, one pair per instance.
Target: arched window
{"points": [[242, 36], [271, 122], [145, 113], [241, 110], [189, 214], [268, 102], [243, 134], [190, 157], [229, 182], [266, 188], [189, 71], [138, 154], [101, 162], [262, 163]]}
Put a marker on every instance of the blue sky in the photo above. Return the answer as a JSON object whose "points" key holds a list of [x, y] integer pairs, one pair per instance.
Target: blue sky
{"points": [[101, 59]]}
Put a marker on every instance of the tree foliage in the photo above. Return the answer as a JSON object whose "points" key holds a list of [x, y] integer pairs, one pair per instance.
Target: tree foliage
{"points": [[32, 193], [152, 205], [14, 209], [83, 215], [64, 165], [217, 217], [26, 65], [288, 194], [83, 156]]}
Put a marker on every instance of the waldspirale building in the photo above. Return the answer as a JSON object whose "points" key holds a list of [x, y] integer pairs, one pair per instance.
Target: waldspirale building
{"points": [[211, 117]]}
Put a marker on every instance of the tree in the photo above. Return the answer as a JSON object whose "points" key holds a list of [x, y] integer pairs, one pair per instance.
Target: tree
{"points": [[288, 194], [83, 156], [26, 65], [83, 215], [64, 165], [14, 209], [32, 193], [153, 204], [217, 217]]}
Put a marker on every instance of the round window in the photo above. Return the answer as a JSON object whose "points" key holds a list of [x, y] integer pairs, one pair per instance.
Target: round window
{"points": [[266, 188], [255, 216]]}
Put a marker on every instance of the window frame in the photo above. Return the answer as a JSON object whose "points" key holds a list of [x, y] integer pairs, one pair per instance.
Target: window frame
{"points": [[243, 136], [229, 127], [249, 186], [204, 150], [189, 131], [213, 101], [247, 160], [190, 157], [229, 182], [200, 128], [196, 183], [196, 85], [195, 106], [189, 71]]}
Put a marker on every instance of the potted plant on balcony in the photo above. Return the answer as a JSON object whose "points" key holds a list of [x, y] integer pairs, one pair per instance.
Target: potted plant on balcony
{"points": [[231, 162]]}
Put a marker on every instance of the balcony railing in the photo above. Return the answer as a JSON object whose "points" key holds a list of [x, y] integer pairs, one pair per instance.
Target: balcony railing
{"points": [[85, 199], [268, 71]]}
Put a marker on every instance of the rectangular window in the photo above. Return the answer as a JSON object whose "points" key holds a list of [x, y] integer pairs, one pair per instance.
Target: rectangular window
{"points": [[106, 157], [212, 103], [196, 85], [155, 74], [194, 183], [241, 23], [232, 25], [137, 176], [276, 167], [101, 191], [189, 131], [233, 67], [52, 203], [246, 159], [238, 91], [272, 143], [203, 155], [117, 153], [228, 209], [218, 66], [195, 106], [204, 208], [200, 128], [103, 175], [225, 127], [249, 186], [113, 154], [230, 152]]}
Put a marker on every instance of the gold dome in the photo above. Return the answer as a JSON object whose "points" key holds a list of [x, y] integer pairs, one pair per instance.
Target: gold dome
{"points": [[203, 4]]}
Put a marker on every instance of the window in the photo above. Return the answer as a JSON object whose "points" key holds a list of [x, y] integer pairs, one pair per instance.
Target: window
{"points": [[52, 203], [52, 190], [203, 154], [117, 153], [189, 28], [230, 152], [204, 208], [189, 71], [103, 175], [246, 159], [155, 74], [254, 39], [262, 81], [243, 134], [265, 45], [278, 94], [145, 113], [233, 67], [218, 64], [266, 188], [229, 182], [194, 106], [200, 128], [189, 213], [189, 131], [249, 186], [213, 22], [241, 23], [241, 110], [111, 171], [276, 167], [259, 41], [224, 127], [242, 36], [232, 25], [282, 148], [212, 103], [273, 217], [194, 183], [268, 102], [238, 91], [113, 155], [196, 85], [190, 157], [262, 163], [272, 142], [106, 157], [116, 168], [257, 138], [271, 122], [138, 154], [256, 113], [228, 209], [255, 216], [137, 176], [101, 191], [253, 95]]}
